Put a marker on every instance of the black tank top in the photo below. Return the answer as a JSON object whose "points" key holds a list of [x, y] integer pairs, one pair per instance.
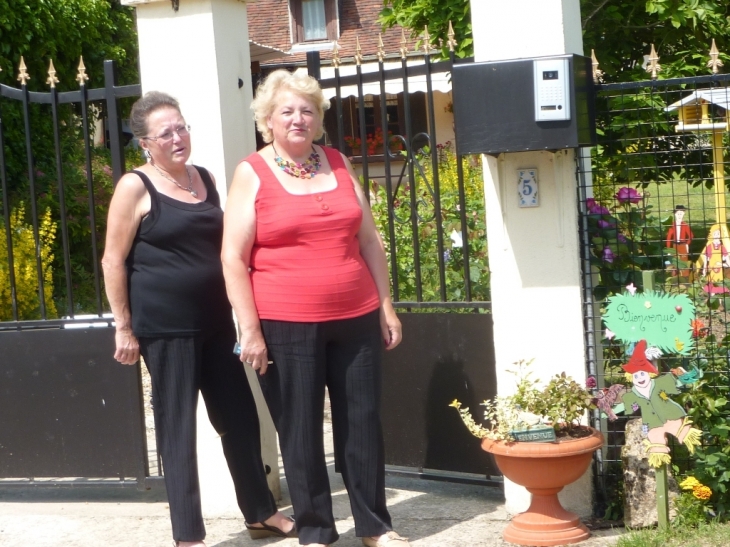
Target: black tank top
{"points": [[174, 270]]}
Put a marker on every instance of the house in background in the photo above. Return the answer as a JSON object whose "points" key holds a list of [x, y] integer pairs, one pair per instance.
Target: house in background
{"points": [[301, 26]]}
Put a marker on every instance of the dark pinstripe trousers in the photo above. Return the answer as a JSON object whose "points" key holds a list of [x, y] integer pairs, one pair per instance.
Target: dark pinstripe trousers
{"points": [[345, 356], [179, 368]]}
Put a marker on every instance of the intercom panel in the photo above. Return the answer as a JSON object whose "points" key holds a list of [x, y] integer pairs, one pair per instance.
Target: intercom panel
{"points": [[552, 89]]}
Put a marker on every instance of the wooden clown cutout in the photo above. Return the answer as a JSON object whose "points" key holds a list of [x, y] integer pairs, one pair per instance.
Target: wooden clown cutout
{"points": [[655, 324], [661, 416]]}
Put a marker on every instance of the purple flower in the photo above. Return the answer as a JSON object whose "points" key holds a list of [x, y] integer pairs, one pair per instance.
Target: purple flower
{"points": [[627, 195], [595, 208], [635, 407], [606, 224], [621, 238], [591, 382], [608, 255]]}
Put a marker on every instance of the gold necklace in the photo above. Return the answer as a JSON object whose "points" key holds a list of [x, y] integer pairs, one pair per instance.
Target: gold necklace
{"points": [[176, 183]]}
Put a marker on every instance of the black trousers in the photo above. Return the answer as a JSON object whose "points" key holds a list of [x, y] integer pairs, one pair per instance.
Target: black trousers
{"points": [[345, 356], [180, 367]]}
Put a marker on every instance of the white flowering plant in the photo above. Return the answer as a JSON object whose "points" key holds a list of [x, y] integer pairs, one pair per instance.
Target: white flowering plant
{"points": [[561, 404]]}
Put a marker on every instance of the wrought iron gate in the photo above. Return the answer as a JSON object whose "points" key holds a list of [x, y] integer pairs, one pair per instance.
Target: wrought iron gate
{"points": [[429, 206], [69, 410]]}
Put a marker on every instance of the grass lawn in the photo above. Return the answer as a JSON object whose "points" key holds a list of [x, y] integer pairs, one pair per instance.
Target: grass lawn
{"points": [[708, 535], [699, 201]]}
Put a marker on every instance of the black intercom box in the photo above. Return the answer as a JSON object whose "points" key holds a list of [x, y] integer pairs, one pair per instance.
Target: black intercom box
{"points": [[494, 108]]}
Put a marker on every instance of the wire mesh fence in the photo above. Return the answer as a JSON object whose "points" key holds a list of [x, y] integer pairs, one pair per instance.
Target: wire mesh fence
{"points": [[653, 215]]}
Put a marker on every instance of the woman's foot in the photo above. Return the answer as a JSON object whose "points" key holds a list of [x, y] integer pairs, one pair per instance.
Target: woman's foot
{"points": [[189, 543], [388, 539], [281, 521], [277, 525]]}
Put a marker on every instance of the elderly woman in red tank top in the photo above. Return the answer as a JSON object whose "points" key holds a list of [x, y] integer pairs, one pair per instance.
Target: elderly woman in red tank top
{"points": [[164, 280], [306, 272]]}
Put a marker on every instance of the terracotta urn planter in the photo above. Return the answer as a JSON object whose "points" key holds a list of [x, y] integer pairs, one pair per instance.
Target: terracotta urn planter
{"points": [[544, 469]]}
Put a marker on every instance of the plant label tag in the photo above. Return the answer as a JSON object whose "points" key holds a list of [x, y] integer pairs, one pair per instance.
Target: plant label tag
{"points": [[534, 435], [527, 188]]}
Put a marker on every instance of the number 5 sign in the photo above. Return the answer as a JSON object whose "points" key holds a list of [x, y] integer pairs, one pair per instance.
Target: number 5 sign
{"points": [[527, 187]]}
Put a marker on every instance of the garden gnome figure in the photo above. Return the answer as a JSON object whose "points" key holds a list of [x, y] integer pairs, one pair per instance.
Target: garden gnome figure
{"points": [[715, 259], [679, 237], [661, 415]]}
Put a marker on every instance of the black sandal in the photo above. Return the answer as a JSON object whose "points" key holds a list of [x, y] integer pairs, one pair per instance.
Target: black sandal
{"points": [[265, 531]]}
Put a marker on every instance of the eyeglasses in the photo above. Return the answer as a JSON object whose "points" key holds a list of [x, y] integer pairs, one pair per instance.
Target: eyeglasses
{"points": [[167, 136]]}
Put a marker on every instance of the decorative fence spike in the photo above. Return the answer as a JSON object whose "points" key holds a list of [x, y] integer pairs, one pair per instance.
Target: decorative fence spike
{"points": [[426, 40], [403, 44], [381, 48], [358, 51], [452, 40], [335, 55], [81, 77], [23, 76], [653, 67], [51, 80], [714, 63], [597, 73]]}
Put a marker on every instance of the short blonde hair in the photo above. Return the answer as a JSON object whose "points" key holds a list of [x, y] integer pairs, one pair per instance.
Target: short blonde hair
{"points": [[280, 80], [630, 377]]}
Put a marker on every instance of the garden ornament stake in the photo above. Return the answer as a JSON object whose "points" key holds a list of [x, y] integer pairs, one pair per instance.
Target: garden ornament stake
{"points": [[653, 324]]}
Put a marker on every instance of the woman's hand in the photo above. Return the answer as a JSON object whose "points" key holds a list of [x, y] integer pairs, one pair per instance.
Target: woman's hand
{"points": [[253, 351], [239, 233], [390, 327], [127, 347]]}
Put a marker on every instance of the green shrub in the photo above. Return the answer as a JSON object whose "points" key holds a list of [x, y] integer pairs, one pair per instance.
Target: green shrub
{"points": [[25, 268], [427, 231]]}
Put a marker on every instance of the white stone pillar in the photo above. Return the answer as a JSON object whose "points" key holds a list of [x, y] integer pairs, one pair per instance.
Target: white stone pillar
{"points": [[200, 55], [534, 255]]}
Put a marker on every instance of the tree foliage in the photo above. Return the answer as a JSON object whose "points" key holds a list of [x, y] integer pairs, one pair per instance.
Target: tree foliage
{"points": [[436, 14], [620, 31], [62, 31]]}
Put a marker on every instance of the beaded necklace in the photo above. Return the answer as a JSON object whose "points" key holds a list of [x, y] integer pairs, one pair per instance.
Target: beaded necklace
{"points": [[306, 170]]}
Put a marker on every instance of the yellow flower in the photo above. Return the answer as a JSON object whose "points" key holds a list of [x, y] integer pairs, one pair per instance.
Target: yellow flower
{"points": [[690, 483], [25, 264], [455, 403], [702, 492]]}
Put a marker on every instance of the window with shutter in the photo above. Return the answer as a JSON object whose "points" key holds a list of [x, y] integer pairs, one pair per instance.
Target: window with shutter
{"points": [[314, 20]]}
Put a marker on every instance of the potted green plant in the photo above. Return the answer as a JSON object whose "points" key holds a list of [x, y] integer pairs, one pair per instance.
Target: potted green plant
{"points": [[543, 464]]}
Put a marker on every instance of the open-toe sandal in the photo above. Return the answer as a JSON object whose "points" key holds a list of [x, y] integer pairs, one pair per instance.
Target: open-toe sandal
{"points": [[389, 539], [263, 530]]}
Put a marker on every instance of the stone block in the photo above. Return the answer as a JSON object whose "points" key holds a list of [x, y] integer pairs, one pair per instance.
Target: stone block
{"points": [[640, 508]]}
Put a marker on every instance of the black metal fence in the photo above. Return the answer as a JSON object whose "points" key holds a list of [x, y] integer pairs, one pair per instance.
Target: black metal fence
{"points": [[429, 205], [37, 170], [69, 410], [661, 150], [433, 229]]}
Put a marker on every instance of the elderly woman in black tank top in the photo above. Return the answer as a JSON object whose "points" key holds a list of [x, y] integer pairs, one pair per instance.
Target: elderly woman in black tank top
{"points": [[165, 285]]}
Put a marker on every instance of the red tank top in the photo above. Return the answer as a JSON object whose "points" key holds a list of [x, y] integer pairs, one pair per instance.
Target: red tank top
{"points": [[305, 262]]}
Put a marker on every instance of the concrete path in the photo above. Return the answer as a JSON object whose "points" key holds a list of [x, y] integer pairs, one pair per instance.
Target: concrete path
{"points": [[430, 513]]}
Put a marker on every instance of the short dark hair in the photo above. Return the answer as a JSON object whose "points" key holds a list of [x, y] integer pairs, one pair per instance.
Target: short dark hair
{"points": [[146, 105], [679, 208]]}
